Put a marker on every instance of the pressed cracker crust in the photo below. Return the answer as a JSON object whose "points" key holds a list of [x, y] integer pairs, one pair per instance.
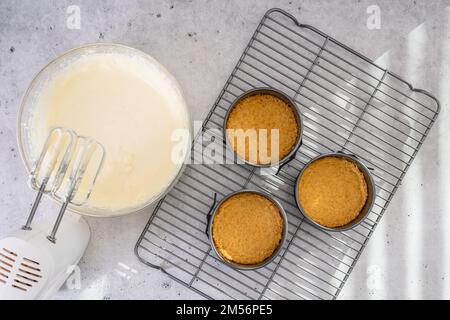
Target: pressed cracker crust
{"points": [[264, 111], [247, 228], [332, 191]]}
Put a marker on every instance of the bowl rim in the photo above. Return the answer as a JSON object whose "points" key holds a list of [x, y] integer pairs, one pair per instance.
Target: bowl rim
{"points": [[91, 211], [370, 186], [279, 94], [239, 266]]}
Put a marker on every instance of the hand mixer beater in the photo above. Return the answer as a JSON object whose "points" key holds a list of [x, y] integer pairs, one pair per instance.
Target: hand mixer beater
{"points": [[33, 263], [61, 168]]}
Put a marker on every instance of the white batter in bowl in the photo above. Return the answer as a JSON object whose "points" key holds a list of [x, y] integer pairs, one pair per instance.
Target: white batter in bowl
{"points": [[127, 101]]}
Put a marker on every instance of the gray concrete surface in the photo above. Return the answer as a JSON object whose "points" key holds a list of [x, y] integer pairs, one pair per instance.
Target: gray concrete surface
{"points": [[199, 42]]}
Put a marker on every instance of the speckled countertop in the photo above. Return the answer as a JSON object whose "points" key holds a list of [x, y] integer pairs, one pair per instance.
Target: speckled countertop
{"points": [[199, 42]]}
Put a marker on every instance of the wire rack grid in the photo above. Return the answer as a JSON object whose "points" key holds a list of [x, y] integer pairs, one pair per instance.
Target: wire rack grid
{"points": [[348, 104]]}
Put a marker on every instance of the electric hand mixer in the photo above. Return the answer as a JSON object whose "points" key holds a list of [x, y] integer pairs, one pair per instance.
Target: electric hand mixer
{"points": [[33, 261]]}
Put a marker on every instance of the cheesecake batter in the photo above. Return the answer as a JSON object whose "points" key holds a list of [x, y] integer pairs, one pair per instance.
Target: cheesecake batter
{"points": [[130, 104]]}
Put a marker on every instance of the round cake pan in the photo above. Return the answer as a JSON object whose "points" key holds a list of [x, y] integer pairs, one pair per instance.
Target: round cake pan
{"points": [[371, 193], [247, 266], [276, 93]]}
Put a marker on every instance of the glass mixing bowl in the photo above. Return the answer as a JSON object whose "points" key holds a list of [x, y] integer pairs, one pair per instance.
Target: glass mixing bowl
{"points": [[40, 82]]}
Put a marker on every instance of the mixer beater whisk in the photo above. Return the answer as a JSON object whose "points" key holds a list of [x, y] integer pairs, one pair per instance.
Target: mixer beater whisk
{"points": [[67, 169]]}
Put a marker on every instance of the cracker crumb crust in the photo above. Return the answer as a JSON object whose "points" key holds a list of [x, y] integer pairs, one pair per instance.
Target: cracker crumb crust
{"points": [[247, 228], [332, 191], [264, 111]]}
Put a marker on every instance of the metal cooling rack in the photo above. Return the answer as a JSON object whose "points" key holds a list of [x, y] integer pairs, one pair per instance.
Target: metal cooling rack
{"points": [[349, 104]]}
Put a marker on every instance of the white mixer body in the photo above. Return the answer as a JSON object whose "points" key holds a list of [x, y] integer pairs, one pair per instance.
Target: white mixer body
{"points": [[32, 267]]}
